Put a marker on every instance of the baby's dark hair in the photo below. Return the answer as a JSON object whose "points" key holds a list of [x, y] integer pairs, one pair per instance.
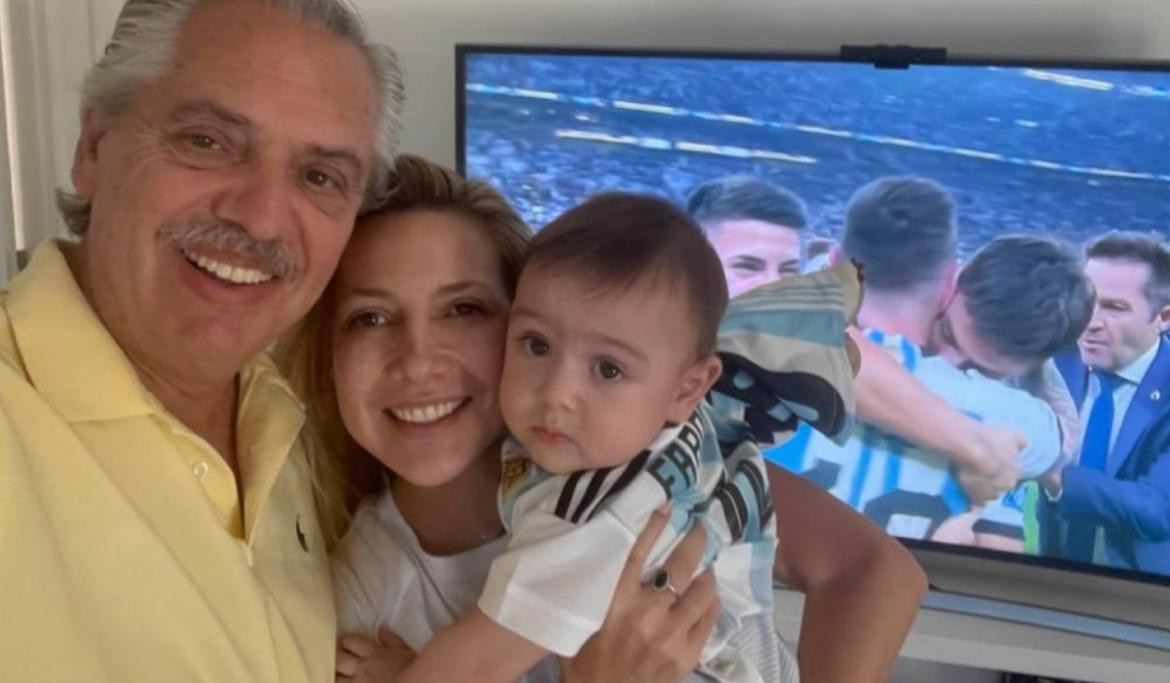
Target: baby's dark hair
{"points": [[616, 240]]}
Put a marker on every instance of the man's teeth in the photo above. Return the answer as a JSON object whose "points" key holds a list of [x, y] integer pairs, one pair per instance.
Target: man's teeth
{"points": [[426, 414], [227, 272]]}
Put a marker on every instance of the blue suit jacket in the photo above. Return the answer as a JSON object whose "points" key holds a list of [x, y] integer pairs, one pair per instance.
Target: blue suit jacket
{"points": [[1131, 498]]}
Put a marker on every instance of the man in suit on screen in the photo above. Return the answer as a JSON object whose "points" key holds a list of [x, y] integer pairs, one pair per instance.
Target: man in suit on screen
{"points": [[1112, 506]]}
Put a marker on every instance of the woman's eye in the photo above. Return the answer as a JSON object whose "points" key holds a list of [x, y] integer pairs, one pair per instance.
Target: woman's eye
{"points": [[366, 320], [609, 371], [536, 346], [467, 308]]}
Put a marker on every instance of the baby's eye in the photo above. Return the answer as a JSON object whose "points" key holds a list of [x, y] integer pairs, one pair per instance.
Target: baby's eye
{"points": [[535, 345], [609, 371]]}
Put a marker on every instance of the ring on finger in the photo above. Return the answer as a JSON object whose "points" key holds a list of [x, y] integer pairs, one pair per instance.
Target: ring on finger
{"points": [[661, 582]]}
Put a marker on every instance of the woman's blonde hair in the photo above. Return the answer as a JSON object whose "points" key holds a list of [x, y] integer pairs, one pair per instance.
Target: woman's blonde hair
{"points": [[343, 473]]}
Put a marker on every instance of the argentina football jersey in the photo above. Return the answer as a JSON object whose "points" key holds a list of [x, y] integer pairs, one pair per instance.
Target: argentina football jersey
{"points": [[910, 491]]}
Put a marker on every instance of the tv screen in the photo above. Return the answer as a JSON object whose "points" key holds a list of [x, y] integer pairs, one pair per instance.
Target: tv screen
{"points": [[1008, 218]]}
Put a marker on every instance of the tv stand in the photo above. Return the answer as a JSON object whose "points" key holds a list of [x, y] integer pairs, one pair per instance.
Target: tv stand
{"points": [[1003, 636], [1058, 620]]}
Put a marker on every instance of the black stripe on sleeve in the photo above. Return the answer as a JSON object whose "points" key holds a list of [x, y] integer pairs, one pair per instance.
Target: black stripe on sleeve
{"points": [[632, 470], [591, 492], [756, 480], [566, 497], [734, 509]]}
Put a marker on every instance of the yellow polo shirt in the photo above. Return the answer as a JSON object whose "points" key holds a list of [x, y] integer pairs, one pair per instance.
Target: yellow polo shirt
{"points": [[124, 555]]}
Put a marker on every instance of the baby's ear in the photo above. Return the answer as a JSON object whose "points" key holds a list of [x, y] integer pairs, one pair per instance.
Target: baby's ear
{"points": [[695, 384]]}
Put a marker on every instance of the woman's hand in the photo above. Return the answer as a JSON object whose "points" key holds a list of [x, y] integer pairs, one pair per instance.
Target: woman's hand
{"points": [[652, 635], [362, 660]]}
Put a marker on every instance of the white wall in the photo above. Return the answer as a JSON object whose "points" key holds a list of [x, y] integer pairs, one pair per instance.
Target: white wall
{"points": [[425, 32]]}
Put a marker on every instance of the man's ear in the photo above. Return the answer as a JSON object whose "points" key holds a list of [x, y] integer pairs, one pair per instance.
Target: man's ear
{"points": [[84, 170], [696, 382], [950, 286], [1162, 318]]}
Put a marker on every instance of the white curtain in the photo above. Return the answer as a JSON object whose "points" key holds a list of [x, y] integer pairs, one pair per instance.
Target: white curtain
{"points": [[7, 211], [48, 45]]}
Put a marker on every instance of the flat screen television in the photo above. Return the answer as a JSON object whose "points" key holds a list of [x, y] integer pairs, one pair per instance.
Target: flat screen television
{"points": [[1060, 150]]}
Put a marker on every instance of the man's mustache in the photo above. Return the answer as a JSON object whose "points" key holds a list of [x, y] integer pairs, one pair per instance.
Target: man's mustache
{"points": [[273, 255]]}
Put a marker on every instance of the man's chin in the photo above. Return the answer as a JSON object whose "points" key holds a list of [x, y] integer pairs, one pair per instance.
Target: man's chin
{"points": [[226, 348], [1093, 354]]}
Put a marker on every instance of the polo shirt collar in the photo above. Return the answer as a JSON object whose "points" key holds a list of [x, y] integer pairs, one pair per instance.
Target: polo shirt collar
{"points": [[69, 356]]}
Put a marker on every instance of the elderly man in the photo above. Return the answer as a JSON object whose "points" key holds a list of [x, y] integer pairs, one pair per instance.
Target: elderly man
{"points": [[156, 520]]}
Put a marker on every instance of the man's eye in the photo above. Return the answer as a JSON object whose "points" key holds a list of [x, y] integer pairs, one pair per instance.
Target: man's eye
{"points": [[748, 266], [322, 180], [202, 142]]}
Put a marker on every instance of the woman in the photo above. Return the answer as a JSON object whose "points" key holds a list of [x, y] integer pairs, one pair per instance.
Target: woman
{"points": [[412, 331]]}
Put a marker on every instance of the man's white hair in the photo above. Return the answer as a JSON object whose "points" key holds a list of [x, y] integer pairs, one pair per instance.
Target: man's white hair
{"points": [[143, 48]]}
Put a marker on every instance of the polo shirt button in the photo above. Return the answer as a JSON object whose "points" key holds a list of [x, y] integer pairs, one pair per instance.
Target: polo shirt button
{"points": [[200, 469]]}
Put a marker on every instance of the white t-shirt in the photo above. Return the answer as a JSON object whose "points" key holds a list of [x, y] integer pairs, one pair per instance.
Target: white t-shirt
{"points": [[382, 578]]}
